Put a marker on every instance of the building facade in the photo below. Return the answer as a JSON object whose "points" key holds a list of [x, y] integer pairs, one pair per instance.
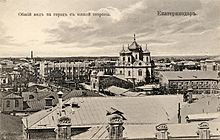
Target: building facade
{"points": [[134, 63], [200, 81]]}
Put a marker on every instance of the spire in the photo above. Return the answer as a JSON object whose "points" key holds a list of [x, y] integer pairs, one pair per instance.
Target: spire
{"points": [[134, 38]]}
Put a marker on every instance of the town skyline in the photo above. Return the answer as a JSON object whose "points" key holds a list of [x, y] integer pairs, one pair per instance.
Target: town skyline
{"points": [[95, 36]]}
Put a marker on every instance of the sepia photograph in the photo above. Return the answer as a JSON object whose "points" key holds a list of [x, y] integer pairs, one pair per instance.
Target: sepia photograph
{"points": [[109, 69]]}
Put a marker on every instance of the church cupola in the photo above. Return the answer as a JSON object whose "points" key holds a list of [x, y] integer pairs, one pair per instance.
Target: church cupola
{"points": [[146, 51], [134, 46], [122, 51]]}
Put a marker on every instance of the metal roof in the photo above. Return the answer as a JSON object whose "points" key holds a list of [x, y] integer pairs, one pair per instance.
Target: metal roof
{"points": [[92, 111], [148, 131], [12, 96], [190, 75]]}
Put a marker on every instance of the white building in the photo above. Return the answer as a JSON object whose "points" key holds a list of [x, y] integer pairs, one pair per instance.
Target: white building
{"points": [[134, 63]]}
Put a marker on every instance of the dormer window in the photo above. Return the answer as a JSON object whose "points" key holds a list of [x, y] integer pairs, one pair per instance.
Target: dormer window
{"points": [[31, 96]]}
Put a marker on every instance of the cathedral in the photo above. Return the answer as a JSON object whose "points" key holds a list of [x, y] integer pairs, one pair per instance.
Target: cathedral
{"points": [[134, 63]]}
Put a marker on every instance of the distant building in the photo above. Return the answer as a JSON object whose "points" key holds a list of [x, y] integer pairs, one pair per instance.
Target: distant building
{"points": [[72, 70], [210, 64], [200, 81], [12, 103], [134, 63]]}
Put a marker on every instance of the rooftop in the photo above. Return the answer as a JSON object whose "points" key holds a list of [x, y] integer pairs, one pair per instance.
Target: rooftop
{"points": [[92, 111], [192, 75], [149, 131]]}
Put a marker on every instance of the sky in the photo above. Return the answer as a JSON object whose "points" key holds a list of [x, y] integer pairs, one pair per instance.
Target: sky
{"points": [[105, 36]]}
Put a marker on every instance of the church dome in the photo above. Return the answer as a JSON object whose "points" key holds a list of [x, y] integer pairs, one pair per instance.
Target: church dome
{"points": [[134, 46]]}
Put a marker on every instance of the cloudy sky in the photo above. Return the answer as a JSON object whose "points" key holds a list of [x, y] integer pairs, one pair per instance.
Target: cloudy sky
{"points": [[91, 36]]}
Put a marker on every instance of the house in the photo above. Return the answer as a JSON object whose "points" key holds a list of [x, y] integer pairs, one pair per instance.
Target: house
{"points": [[200, 81], [90, 112], [12, 103]]}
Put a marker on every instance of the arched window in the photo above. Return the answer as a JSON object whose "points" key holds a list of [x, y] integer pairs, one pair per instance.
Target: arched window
{"points": [[120, 71], [140, 64], [129, 59], [139, 72], [136, 56], [123, 58], [129, 73], [31, 96], [16, 103]]}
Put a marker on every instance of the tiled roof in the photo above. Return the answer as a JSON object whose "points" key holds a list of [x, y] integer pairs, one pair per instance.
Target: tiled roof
{"points": [[185, 75], [92, 111]]}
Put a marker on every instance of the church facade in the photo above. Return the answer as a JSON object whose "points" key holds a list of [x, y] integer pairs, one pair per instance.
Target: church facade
{"points": [[134, 63]]}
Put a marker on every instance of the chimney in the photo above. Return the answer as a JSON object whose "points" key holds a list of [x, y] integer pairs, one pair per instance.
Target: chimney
{"points": [[162, 132], [60, 94], [203, 130], [64, 128], [115, 127]]}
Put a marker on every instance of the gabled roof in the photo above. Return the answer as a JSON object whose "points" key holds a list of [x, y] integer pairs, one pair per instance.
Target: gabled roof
{"points": [[12, 96], [116, 90]]}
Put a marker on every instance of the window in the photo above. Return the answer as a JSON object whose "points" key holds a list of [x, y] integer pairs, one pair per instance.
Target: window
{"points": [[129, 59], [93, 85], [4, 81], [129, 73], [146, 59], [140, 64], [136, 56], [140, 72], [31, 96], [7, 103], [120, 71], [49, 101], [16, 103], [123, 58]]}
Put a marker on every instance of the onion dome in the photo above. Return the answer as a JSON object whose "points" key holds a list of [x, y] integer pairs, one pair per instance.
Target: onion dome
{"points": [[134, 46]]}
